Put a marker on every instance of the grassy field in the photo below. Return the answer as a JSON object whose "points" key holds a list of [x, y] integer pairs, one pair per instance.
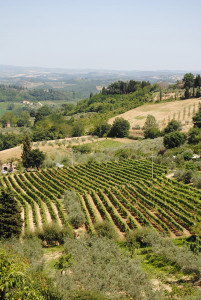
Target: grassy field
{"points": [[182, 110], [62, 146]]}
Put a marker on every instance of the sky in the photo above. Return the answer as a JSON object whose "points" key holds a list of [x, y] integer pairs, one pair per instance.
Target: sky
{"points": [[101, 34]]}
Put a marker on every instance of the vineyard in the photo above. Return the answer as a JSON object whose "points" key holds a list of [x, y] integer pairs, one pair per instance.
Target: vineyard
{"points": [[123, 193]]}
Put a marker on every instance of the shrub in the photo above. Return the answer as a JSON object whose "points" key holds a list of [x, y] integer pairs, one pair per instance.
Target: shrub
{"points": [[188, 154], [75, 213], [53, 233], [101, 130], [194, 136], [105, 229], [120, 128], [173, 126], [174, 139], [152, 133], [197, 181]]}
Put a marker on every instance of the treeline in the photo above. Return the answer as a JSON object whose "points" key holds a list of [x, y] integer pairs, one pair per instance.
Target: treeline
{"points": [[117, 101], [192, 85], [12, 93], [124, 87]]}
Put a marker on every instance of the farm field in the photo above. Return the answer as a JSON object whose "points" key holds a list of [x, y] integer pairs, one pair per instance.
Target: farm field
{"points": [[182, 110], [124, 193]]}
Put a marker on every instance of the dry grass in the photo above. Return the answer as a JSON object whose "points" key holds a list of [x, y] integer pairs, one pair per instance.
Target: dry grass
{"points": [[163, 112]]}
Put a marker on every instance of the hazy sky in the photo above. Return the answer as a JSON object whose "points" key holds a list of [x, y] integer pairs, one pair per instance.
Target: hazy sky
{"points": [[101, 34]]}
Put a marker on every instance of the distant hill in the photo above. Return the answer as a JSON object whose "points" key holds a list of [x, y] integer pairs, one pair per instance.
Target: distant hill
{"points": [[79, 82]]}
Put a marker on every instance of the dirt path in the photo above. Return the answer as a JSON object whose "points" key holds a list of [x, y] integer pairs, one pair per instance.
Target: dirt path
{"points": [[100, 219], [57, 214], [170, 175], [92, 225], [31, 222], [48, 216], [40, 222]]}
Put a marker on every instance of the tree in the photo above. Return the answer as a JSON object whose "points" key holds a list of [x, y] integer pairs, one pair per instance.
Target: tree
{"points": [[8, 117], [197, 81], [188, 80], [173, 126], [187, 93], [102, 129], [174, 139], [152, 133], [120, 128], [35, 158], [26, 151], [10, 217], [151, 127], [197, 119], [194, 136]]}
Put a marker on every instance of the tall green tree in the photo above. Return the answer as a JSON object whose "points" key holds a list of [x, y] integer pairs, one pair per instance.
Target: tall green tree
{"points": [[10, 216], [187, 92], [188, 80], [120, 128], [35, 158], [198, 81], [151, 128], [197, 119], [173, 126], [26, 151]]}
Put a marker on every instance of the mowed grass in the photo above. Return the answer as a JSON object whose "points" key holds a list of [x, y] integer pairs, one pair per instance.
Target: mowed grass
{"points": [[182, 110]]}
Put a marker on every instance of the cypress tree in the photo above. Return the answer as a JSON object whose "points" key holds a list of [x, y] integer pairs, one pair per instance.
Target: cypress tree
{"points": [[10, 216], [26, 151]]}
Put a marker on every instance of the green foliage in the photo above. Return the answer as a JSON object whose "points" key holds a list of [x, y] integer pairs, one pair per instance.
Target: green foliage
{"points": [[106, 229], [187, 93], [9, 140], [188, 80], [53, 233], [194, 135], [11, 93], [64, 261], [173, 126], [102, 130], [151, 128], [72, 204], [119, 128], [184, 175], [197, 119], [82, 149], [99, 265], [19, 281], [174, 139], [78, 129], [35, 158], [188, 154], [152, 133], [26, 151], [122, 87], [10, 217]]}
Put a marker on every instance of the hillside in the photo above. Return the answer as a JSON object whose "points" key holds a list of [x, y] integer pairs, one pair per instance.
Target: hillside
{"points": [[123, 193], [182, 110]]}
